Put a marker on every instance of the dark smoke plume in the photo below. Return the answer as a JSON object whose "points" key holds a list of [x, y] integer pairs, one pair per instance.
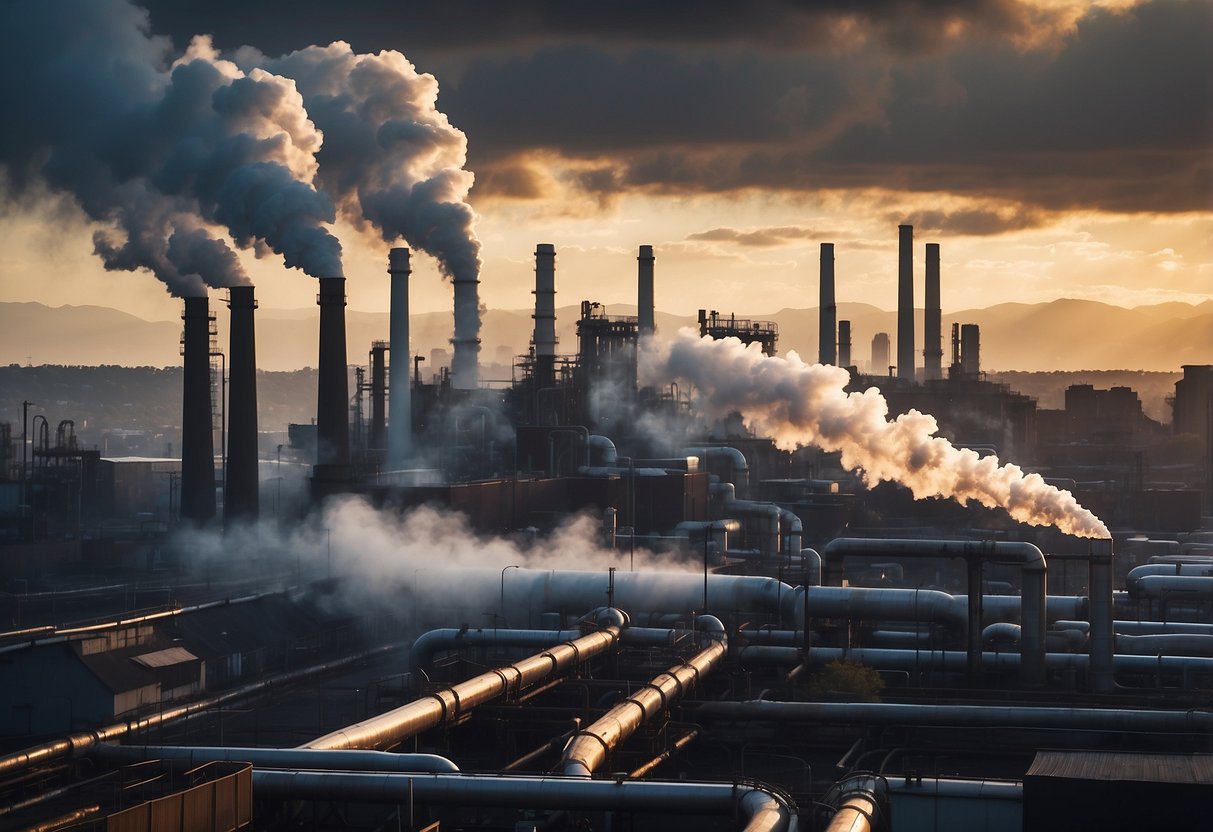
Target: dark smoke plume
{"points": [[165, 155]]}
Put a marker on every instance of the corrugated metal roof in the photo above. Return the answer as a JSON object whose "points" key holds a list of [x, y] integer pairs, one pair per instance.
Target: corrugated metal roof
{"points": [[166, 657], [1102, 765]]}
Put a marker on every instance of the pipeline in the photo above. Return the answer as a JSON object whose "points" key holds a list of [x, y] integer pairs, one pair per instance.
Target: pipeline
{"points": [[449, 704], [309, 759], [764, 809], [1032, 604], [862, 805], [589, 747], [1138, 720], [679, 744], [957, 660], [76, 744]]}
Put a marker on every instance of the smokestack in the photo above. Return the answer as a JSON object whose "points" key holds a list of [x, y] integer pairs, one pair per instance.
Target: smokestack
{"points": [[905, 302], [544, 338], [828, 312], [377, 443], [644, 291], [241, 482], [970, 350], [332, 393], [197, 440], [400, 391], [844, 343], [932, 337], [465, 371], [880, 354]]}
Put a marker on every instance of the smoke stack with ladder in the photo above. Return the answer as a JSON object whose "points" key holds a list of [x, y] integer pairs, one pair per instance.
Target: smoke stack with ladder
{"points": [[644, 292], [332, 390], [905, 302], [932, 337], [827, 310], [544, 337], [197, 440]]}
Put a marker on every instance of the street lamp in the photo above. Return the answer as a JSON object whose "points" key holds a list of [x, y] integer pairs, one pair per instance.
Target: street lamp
{"points": [[502, 603]]}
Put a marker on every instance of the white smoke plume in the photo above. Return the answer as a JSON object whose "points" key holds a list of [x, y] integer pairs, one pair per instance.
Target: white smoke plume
{"points": [[800, 404], [166, 155]]}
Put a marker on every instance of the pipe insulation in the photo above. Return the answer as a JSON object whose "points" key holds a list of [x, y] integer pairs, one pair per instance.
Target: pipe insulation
{"points": [[588, 748], [449, 704], [763, 810]]}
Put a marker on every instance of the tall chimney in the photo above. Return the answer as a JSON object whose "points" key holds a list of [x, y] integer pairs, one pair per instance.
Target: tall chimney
{"points": [[880, 354], [377, 441], [970, 350], [332, 392], [465, 371], [197, 439], [905, 302], [241, 498], [400, 391], [644, 292], [844, 343], [827, 310], [544, 338], [932, 336]]}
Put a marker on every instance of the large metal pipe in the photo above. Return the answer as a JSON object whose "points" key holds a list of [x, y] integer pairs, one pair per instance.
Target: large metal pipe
{"points": [[589, 747], [241, 482], [1141, 720], [1146, 569], [197, 438], [932, 323], [905, 302], [739, 469], [827, 309], [762, 808], [544, 337], [860, 806], [447, 705], [332, 391], [400, 366], [919, 660], [1032, 566], [309, 759], [645, 312]]}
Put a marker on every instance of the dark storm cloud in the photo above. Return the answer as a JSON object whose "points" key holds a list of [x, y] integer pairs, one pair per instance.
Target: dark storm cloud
{"points": [[445, 25], [992, 100], [976, 222]]}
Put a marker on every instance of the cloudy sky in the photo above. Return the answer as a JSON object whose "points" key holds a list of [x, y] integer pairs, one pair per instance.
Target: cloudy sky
{"points": [[1053, 148]]}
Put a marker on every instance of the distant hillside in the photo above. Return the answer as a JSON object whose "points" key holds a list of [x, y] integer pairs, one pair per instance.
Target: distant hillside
{"points": [[1064, 335]]}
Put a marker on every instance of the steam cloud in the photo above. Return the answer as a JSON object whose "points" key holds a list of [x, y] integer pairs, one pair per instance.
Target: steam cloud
{"points": [[799, 404], [391, 160]]}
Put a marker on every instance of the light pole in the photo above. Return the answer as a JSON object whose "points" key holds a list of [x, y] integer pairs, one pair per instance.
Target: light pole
{"points": [[501, 606]]}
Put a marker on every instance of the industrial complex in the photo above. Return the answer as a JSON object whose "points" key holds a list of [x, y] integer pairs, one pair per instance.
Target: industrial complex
{"points": [[655, 581]]}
